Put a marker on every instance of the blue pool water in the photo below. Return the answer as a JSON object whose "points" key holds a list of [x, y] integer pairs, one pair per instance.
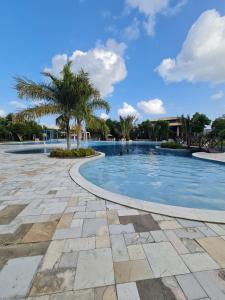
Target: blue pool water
{"points": [[145, 172]]}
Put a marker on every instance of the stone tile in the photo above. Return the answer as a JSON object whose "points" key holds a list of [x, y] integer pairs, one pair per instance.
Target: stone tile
{"points": [[215, 247], [95, 205], [136, 252], [127, 291], [119, 249], [40, 232], [45, 297], [105, 293], [65, 221], [160, 289], [146, 237], [55, 208], [120, 229], [189, 233], [176, 242], [101, 214], [8, 214], [103, 241], [52, 257], [17, 275], [93, 227], [68, 260], [84, 215], [138, 238], [169, 225], [158, 217], [199, 262], [67, 233], [94, 269], [213, 283], [132, 270], [87, 294], [164, 260], [190, 223], [16, 237], [192, 245], [216, 228], [127, 212], [51, 282], [141, 222], [79, 244], [22, 250], [159, 236], [191, 287], [77, 223], [112, 217], [207, 231]]}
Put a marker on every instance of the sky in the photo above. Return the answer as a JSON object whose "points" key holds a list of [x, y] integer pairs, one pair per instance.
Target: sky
{"points": [[151, 58]]}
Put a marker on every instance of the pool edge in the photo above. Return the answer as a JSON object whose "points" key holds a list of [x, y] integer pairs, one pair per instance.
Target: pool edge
{"points": [[213, 216]]}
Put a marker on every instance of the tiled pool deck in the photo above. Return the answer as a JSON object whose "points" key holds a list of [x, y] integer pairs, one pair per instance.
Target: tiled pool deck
{"points": [[58, 241]]}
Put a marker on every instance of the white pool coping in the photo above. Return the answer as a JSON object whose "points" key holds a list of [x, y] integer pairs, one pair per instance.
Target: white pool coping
{"points": [[213, 216], [216, 157]]}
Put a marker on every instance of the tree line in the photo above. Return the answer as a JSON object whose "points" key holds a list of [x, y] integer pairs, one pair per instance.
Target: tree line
{"points": [[74, 100]]}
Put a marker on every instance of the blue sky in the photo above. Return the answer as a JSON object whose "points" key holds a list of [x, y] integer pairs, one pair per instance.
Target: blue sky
{"points": [[153, 58]]}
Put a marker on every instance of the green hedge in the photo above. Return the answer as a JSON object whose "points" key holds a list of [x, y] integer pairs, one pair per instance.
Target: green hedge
{"points": [[63, 153], [171, 145]]}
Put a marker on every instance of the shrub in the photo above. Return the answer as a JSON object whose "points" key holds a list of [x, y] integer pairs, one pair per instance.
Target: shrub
{"points": [[74, 153], [171, 145]]}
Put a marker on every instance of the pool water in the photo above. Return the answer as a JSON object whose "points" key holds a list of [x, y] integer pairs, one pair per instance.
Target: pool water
{"points": [[145, 172]]}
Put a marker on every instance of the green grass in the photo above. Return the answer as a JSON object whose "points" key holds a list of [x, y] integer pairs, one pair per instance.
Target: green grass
{"points": [[171, 145], [74, 153]]}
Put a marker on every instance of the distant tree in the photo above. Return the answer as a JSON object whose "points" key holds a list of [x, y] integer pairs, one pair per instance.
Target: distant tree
{"points": [[218, 130], [100, 130], [114, 128], [161, 130], [126, 125], [198, 123], [186, 129]]}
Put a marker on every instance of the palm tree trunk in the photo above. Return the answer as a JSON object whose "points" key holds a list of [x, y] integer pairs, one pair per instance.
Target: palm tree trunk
{"points": [[78, 134], [68, 141]]}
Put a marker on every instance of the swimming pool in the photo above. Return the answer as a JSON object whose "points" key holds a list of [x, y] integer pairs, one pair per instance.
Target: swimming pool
{"points": [[167, 177]]}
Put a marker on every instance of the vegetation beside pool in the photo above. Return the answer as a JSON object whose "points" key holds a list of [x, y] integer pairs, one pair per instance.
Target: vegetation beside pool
{"points": [[73, 153], [172, 145]]}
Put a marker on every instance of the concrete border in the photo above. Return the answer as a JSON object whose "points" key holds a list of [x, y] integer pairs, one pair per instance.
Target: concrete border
{"points": [[214, 216], [213, 157]]}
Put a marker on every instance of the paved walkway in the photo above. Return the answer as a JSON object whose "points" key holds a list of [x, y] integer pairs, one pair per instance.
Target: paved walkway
{"points": [[57, 241]]}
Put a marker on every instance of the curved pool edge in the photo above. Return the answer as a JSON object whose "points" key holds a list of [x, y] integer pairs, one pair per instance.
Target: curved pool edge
{"points": [[213, 157], [213, 216]]}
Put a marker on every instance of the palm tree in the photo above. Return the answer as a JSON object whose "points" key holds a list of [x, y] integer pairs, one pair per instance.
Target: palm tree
{"points": [[88, 100], [186, 128], [127, 124], [70, 96]]}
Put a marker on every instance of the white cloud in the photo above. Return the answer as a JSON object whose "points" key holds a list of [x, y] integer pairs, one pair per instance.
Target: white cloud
{"points": [[104, 116], [132, 31], [202, 55], [104, 63], [2, 113], [127, 110], [152, 107], [151, 8], [17, 104], [217, 95]]}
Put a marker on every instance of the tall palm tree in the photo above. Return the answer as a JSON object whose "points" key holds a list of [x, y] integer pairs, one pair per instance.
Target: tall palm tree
{"points": [[88, 101], [70, 96], [127, 124], [186, 128]]}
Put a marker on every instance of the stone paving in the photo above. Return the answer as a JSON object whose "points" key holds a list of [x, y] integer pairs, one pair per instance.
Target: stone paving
{"points": [[57, 241]]}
